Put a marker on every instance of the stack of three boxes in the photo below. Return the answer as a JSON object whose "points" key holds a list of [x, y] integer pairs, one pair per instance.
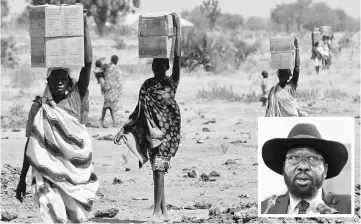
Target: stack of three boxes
{"points": [[57, 36]]}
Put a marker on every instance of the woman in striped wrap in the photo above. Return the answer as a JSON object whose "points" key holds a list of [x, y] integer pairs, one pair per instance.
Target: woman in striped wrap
{"points": [[153, 129], [59, 148], [281, 101]]}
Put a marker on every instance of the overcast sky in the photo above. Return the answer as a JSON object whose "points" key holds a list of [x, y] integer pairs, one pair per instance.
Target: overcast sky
{"points": [[245, 8]]}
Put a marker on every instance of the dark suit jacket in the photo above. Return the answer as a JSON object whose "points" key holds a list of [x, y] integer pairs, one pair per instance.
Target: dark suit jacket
{"points": [[342, 203]]}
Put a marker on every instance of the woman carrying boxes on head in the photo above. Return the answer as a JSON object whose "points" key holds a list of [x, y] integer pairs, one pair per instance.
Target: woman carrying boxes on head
{"points": [[325, 44], [58, 147], [281, 102], [153, 129], [316, 49]]}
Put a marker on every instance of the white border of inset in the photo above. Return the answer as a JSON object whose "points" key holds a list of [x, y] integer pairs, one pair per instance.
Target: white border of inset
{"points": [[352, 157]]}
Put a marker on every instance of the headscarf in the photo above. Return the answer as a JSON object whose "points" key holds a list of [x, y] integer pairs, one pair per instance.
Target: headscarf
{"points": [[47, 92]]}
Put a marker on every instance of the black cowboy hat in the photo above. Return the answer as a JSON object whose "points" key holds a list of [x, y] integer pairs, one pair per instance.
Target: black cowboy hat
{"points": [[334, 153]]}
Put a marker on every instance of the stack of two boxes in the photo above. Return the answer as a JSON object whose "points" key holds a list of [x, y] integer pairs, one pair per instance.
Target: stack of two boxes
{"points": [[156, 36], [316, 35], [326, 31], [282, 52], [57, 36]]}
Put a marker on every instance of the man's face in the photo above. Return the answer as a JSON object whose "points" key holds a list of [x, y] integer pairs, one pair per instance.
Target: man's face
{"points": [[303, 179]]}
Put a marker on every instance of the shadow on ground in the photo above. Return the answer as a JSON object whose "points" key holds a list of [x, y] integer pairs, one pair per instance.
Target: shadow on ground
{"points": [[104, 220]]}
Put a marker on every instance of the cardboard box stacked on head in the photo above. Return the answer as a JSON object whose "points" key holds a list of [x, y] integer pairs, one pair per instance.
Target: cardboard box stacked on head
{"points": [[282, 52], [316, 36], [156, 36], [57, 35]]}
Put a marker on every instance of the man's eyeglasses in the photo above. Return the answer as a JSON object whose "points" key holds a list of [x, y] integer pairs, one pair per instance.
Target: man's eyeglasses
{"points": [[313, 160]]}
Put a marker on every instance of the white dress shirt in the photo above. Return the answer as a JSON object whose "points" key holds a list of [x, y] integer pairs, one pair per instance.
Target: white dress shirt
{"points": [[293, 209]]}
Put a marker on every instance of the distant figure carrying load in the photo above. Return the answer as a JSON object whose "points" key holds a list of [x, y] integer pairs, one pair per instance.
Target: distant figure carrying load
{"points": [[280, 99], [327, 36], [326, 55], [317, 56], [265, 89], [316, 49]]}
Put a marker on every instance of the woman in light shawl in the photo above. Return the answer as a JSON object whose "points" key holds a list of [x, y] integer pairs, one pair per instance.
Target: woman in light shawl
{"points": [[59, 148], [153, 129], [281, 102]]}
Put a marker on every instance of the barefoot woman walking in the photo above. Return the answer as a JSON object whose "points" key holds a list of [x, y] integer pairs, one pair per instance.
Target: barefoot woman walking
{"points": [[153, 129], [59, 148]]}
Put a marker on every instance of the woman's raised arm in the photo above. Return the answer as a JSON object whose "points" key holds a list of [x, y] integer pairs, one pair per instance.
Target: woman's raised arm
{"points": [[84, 76], [177, 49], [296, 70]]}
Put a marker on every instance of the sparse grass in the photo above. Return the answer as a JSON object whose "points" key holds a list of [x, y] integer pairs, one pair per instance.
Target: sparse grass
{"points": [[307, 94], [328, 93], [315, 82], [142, 69], [17, 110], [22, 76], [223, 146], [226, 93], [335, 93], [356, 98]]}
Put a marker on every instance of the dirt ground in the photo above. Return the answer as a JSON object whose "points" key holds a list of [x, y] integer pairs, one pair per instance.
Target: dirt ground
{"points": [[232, 135]]}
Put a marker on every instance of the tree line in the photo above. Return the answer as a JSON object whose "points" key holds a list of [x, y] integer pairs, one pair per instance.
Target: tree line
{"points": [[101, 10], [302, 15]]}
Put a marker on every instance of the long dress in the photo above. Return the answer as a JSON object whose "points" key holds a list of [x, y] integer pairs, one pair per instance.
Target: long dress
{"points": [[281, 102], [59, 150], [113, 88], [155, 131]]}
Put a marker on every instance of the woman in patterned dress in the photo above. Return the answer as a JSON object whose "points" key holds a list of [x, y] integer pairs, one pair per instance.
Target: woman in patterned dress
{"points": [[154, 126], [112, 89]]}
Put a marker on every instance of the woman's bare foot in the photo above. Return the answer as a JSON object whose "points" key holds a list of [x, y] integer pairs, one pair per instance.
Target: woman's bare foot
{"points": [[167, 217], [157, 217]]}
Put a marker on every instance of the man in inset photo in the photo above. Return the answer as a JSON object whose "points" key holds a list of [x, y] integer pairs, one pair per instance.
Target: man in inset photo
{"points": [[305, 160]]}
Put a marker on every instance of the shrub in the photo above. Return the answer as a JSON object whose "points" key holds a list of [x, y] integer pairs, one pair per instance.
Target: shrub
{"points": [[119, 43], [226, 93], [344, 42], [335, 93], [307, 94], [356, 98], [17, 109], [9, 51], [215, 50], [124, 31]]}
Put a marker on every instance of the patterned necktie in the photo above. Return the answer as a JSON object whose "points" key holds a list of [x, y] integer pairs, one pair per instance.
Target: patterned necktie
{"points": [[302, 207]]}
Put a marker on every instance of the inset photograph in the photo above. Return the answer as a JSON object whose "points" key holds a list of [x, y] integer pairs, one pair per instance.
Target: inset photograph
{"points": [[306, 167]]}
